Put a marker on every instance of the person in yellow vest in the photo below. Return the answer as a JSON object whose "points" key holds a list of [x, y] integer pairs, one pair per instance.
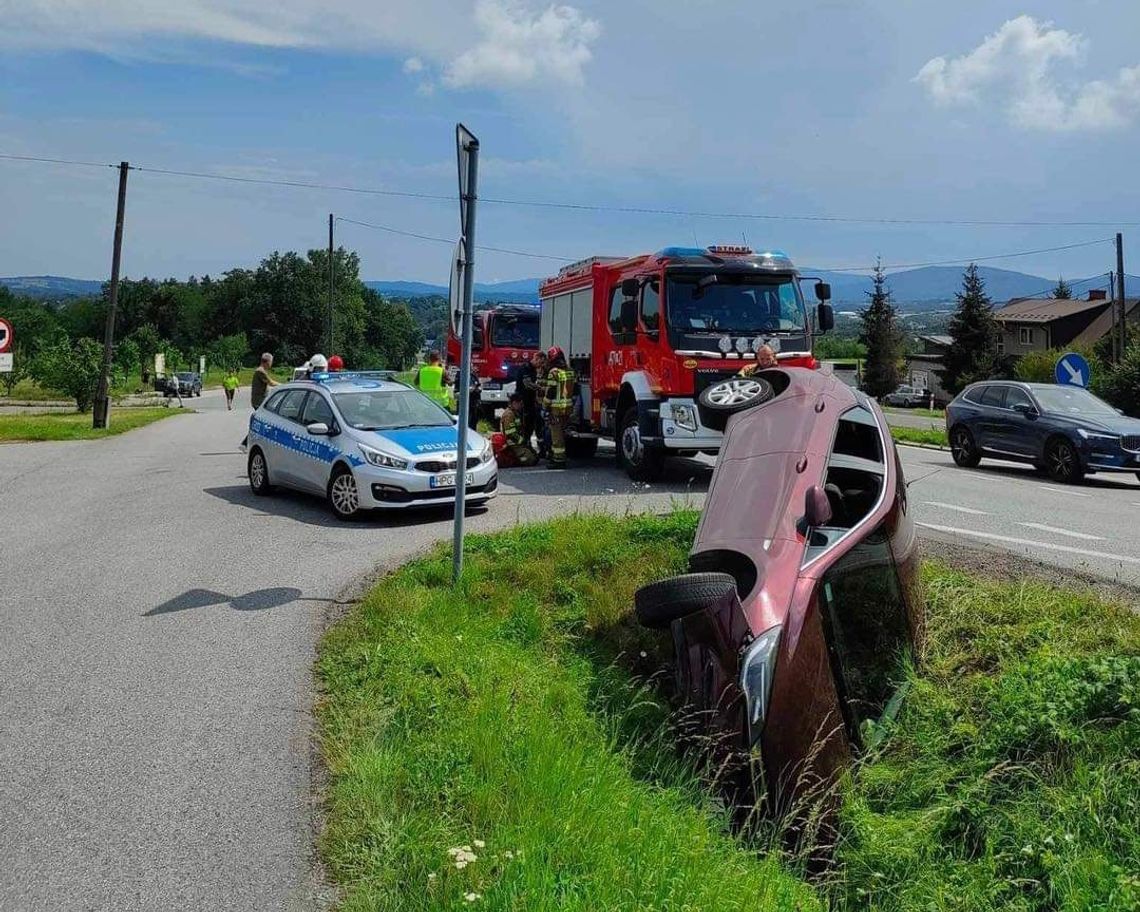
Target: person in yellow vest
{"points": [[518, 450], [559, 401], [230, 385], [429, 380]]}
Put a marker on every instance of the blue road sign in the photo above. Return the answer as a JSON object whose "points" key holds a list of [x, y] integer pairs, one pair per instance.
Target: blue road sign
{"points": [[1072, 370]]}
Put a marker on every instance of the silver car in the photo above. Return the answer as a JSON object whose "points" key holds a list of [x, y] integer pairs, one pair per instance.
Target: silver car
{"points": [[363, 441]]}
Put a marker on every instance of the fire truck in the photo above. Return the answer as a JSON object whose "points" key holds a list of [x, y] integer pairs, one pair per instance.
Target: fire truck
{"points": [[503, 338], [658, 342]]}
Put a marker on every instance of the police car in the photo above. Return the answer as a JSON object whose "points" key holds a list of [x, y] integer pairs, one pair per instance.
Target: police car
{"points": [[363, 441]]}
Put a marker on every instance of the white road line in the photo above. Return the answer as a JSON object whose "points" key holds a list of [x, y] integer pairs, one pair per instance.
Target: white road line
{"points": [[946, 506], [1005, 539], [1056, 531], [1046, 487]]}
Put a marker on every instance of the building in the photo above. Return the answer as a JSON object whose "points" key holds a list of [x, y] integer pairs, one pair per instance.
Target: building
{"points": [[1037, 324], [1102, 325], [922, 368]]}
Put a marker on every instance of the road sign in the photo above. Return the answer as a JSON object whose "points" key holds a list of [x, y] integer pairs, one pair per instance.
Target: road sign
{"points": [[5, 363], [6, 336], [1072, 370]]}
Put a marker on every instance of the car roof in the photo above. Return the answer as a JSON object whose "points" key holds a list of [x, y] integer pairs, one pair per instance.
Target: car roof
{"points": [[350, 381]]}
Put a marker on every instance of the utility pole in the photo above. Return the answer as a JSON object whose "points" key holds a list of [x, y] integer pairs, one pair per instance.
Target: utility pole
{"points": [[1113, 333], [330, 345], [101, 409], [1120, 294]]}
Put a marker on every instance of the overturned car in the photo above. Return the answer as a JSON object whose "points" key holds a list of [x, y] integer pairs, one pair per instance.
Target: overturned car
{"points": [[803, 606]]}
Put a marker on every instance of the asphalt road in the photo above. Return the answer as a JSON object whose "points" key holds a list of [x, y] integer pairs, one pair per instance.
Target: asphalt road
{"points": [[160, 625]]}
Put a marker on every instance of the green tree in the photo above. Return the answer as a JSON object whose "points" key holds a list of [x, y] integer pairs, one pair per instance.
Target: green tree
{"points": [[972, 354], [149, 344], [881, 337], [1063, 291], [228, 352], [832, 348], [1120, 385], [70, 367], [20, 369], [127, 356]]}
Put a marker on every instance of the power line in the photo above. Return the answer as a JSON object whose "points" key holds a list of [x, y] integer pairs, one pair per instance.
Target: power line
{"points": [[451, 241], [55, 161], [967, 260]]}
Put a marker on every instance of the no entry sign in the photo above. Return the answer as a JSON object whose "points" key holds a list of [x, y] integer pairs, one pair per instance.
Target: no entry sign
{"points": [[5, 336]]}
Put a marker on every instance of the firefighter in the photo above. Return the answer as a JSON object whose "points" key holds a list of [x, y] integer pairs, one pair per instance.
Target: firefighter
{"points": [[559, 401], [429, 380], [530, 382], [518, 450]]}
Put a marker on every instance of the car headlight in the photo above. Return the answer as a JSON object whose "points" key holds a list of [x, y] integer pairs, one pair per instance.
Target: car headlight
{"points": [[684, 416], [376, 458], [756, 671], [1099, 438], [487, 453]]}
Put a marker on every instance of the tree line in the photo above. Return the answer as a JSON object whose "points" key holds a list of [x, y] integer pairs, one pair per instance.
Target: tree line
{"points": [[281, 307]]}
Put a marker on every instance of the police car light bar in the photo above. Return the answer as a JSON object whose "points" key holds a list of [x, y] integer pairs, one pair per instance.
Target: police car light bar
{"points": [[354, 375]]}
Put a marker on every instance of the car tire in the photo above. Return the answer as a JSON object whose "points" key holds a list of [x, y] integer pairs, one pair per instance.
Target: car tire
{"points": [[963, 448], [258, 471], [342, 494], [581, 447], [659, 604], [722, 400], [641, 463], [1063, 461]]}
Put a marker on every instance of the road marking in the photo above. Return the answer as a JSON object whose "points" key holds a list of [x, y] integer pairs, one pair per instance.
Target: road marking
{"points": [[1030, 544], [1056, 531], [946, 506], [1063, 491]]}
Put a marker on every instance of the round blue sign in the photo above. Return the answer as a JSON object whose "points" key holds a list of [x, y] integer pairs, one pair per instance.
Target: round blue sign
{"points": [[1072, 370]]}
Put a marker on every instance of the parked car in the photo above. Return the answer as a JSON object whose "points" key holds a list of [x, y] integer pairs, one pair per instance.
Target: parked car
{"points": [[802, 607], [189, 384], [363, 441], [1063, 430], [907, 396]]}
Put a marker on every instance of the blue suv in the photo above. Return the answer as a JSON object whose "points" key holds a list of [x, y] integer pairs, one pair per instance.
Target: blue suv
{"points": [[1063, 430]]}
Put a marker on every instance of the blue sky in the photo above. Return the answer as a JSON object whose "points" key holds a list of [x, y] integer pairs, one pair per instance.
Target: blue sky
{"points": [[879, 108]]}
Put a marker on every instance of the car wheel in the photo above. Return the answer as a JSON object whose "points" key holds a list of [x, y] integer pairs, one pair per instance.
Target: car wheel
{"points": [[721, 401], [343, 496], [581, 447], [1063, 461], [963, 448], [641, 463], [659, 604], [259, 473]]}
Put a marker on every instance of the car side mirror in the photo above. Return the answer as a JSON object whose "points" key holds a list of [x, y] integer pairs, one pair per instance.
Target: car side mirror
{"points": [[630, 288], [822, 291], [1025, 409], [817, 508], [825, 317], [318, 429], [628, 312]]}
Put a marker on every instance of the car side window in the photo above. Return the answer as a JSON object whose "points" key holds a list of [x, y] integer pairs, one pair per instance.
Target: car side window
{"points": [[274, 402], [974, 395], [317, 411], [1015, 397], [291, 403], [994, 396], [651, 306]]}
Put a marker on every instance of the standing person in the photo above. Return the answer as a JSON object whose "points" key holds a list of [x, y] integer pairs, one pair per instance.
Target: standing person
{"points": [[262, 381], [527, 383], [559, 401], [518, 451], [429, 380], [174, 388], [230, 385]]}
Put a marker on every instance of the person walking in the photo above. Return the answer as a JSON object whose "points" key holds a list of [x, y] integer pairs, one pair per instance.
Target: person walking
{"points": [[230, 385], [559, 401], [429, 380], [173, 389], [262, 381], [518, 451]]}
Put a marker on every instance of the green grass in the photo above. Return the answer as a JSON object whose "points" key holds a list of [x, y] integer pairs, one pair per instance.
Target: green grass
{"points": [[76, 426], [938, 414], [930, 436], [502, 714]]}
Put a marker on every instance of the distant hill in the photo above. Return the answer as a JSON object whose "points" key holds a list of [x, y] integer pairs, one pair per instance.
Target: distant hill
{"points": [[51, 288], [520, 291]]}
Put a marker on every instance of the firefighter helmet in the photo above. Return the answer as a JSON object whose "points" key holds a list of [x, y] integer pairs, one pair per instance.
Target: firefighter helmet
{"points": [[554, 353], [336, 363]]}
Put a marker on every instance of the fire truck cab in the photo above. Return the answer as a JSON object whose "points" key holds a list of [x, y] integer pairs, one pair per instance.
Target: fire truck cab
{"points": [[504, 337], [658, 342]]}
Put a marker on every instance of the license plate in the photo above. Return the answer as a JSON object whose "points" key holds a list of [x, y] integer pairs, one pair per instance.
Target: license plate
{"points": [[447, 480]]}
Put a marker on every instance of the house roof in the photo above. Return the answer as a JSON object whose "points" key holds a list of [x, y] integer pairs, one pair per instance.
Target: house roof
{"points": [[944, 341], [1045, 310], [1099, 327]]}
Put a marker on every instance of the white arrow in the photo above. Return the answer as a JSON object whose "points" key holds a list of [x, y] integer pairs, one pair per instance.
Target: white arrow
{"points": [[1075, 376]]}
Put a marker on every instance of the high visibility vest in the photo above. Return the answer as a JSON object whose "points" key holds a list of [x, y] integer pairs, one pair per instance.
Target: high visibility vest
{"points": [[560, 387], [512, 427], [431, 383]]}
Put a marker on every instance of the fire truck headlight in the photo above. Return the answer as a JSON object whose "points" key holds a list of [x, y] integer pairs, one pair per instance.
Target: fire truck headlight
{"points": [[684, 416]]}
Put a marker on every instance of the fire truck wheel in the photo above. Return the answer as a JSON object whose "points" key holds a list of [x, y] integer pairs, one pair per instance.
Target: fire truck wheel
{"points": [[722, 400], [640, 462], [659, 604], [581, 447]]}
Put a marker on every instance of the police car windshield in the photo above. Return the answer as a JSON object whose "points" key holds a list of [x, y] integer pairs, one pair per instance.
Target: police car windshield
{"points": [[734, 303], [387, 410]]}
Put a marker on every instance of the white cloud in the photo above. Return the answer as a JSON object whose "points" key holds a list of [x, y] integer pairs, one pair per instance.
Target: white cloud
{"points": [[519, 46], [413, 65], [1017, 67]]}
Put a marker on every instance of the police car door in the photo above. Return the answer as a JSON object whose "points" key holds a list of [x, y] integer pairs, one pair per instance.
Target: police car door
{"points": [[318, 452], [285, 436]]}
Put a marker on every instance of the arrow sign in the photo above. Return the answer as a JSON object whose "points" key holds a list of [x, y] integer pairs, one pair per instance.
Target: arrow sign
{"points": [[6, 335], [1072, 370]]}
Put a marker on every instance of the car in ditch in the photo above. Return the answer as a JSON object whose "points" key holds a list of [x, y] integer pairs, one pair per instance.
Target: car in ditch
{"points": [[802, 609], [364, 441]]}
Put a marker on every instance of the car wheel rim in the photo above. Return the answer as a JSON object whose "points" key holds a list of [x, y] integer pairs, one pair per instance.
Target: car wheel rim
{"points": [[344, 494], [734, 392], [961, 446], [257, 471], [631, 444], [1062, 460]]}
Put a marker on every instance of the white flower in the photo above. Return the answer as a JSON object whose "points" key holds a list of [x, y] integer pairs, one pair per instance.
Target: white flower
{"points": [[480, 844], [471, 897], [432, 875], [508, 854], [644, 654], [460, 865]]}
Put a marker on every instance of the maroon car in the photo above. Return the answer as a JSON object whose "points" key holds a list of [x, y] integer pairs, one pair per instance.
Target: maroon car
{"points": [[803, 606]]}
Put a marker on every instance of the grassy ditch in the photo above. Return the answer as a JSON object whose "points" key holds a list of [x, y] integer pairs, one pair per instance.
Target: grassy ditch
{"points": [[495, 747], [927, 436], [77, 426]]}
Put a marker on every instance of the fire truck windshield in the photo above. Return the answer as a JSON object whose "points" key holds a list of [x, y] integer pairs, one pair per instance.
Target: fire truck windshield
{"points": [[734, 303], [508, 331]]}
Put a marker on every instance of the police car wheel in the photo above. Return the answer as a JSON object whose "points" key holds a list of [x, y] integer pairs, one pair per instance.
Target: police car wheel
{"points": [[343, 497], [259, 473]]}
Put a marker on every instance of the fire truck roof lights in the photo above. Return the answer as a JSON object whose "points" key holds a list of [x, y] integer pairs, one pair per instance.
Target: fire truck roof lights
{"points": [[731, 249]]}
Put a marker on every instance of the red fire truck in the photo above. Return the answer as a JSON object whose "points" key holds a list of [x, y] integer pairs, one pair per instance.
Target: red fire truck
{"points": [[658, 342], [503, 338]]}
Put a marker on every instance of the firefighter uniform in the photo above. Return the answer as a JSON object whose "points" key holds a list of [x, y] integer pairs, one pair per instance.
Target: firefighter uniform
{"points": [[559, 402], [518, 450]]}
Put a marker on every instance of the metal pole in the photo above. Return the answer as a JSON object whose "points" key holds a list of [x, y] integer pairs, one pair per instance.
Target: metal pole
{"points": [[1120, 294], [101, 409], [330, 345], [471, 148]]}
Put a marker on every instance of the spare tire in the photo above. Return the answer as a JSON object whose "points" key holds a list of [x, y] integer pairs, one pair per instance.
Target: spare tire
{"points": [[720, 401], [661, 603]]}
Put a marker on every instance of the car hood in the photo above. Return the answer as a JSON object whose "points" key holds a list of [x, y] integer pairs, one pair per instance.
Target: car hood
{"points": [[422, 441], [1121, 425]]}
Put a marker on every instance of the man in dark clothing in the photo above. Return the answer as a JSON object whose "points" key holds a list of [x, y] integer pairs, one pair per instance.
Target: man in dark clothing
{"points": [[262, 380], [473, 396], [529, 383]]}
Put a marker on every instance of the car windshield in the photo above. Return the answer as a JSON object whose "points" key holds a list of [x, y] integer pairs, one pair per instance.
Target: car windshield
{"points": [[734, 303], [1072, 400], [515, 331], [187, 376], [380, 410]]}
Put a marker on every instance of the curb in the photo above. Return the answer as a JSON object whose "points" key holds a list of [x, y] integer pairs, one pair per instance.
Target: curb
{"points": [[922, 446]]}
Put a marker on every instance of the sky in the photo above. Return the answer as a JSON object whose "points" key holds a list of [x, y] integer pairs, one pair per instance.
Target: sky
{"points": [[862, 109]]}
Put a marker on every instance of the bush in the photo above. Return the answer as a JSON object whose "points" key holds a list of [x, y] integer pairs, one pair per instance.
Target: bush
{"points": [[70, 368], [1120, 385]]}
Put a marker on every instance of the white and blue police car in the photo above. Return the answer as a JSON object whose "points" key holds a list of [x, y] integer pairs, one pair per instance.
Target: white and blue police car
{"points": [[363, 441]]}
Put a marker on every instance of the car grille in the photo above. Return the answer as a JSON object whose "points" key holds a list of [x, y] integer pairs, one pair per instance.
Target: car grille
{"points": [[444, 465], [1131, 442]]}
